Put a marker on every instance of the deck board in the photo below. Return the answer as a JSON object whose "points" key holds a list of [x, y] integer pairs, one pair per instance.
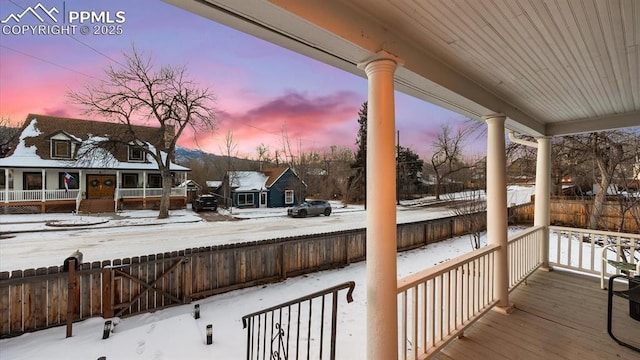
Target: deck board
{"points": [[558, 315]]}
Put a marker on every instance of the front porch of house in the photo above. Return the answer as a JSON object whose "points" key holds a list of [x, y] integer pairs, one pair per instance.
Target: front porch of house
{"points": [[445, 312], [45, 190], [558, 315]]}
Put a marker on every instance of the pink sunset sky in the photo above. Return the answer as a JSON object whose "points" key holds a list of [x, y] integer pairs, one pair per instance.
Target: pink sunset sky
{"points": [[261, 89]]}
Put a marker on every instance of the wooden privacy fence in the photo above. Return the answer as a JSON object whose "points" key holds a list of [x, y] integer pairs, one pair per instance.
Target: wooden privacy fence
{"points": [[35, 299], [575, 212]]}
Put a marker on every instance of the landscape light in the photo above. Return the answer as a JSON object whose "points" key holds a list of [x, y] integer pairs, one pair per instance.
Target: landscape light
{"points": [[196, 311], [209, 334], [107, 329]]}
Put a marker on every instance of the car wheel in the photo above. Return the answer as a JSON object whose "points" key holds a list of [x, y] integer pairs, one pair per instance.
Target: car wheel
{"points": [[303, 213], [327, 212]]}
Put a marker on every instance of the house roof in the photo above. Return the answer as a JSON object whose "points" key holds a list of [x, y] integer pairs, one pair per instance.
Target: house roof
{"points": [[32, 147], [214, 184], [256, 180], [247, 180], [274, 174]]}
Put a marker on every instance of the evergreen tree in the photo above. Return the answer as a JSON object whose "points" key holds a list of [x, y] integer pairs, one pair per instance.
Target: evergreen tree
{"points": [[358, 181], [409, 167]]}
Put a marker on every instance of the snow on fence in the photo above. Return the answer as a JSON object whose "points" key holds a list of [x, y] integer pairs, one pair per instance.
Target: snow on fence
{"points": [[37, 298]]}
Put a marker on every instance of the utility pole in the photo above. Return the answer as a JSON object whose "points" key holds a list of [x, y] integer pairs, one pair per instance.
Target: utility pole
{"points": [[398, 169]]}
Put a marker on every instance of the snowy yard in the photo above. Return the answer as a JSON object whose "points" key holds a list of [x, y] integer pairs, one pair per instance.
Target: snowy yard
{"points": [[174, 333]]}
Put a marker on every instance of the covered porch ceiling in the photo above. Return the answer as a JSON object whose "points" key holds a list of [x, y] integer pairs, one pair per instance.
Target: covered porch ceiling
{"points": [[552, 67]]}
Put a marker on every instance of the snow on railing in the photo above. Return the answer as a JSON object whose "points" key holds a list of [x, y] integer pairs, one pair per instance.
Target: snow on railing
{"points": [[436, 305], [525, 254], [581, 249]]}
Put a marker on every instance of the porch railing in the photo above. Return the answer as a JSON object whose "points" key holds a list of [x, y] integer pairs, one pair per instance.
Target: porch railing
{"points": [[438, 303], [149, 192], [37, 195], [588, 250], [581, 249], [524, 254], [296, 329]]}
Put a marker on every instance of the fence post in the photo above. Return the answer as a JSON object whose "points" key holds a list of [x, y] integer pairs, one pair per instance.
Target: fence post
{"points": [[187, 279], [107, 293], [283, 262], [71, 298]]}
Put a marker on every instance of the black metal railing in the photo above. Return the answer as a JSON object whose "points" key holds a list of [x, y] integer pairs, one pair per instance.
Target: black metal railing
{"points": [[296, 329]]}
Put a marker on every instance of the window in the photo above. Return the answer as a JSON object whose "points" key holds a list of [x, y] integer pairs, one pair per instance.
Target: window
{"points": [[136, 153], [61, 149], [245, 199], [32, 181], [154, 181], [129, 181], [72, 180], [288, 196]]}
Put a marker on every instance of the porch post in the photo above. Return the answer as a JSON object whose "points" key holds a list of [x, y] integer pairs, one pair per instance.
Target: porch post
{"points": [[144, 189], [118, 186], [542, 202], [6, 185], [382, 283], [497, 207], [44, 184]]}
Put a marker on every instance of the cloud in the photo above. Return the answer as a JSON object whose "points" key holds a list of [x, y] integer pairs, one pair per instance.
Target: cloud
{"points": [[309, 122]]}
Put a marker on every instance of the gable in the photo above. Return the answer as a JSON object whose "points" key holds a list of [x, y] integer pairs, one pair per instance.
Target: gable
{"points": [[40, 134]]}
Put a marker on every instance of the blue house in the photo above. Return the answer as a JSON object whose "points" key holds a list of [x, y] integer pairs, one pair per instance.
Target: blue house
{"points": [[274, 187]]}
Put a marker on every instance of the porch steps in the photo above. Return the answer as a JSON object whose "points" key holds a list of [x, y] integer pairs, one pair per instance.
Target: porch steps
{"points": [[93, 206]]}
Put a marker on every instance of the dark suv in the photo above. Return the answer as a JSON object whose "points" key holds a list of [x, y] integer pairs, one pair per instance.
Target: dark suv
{"points": [[205, 202]]}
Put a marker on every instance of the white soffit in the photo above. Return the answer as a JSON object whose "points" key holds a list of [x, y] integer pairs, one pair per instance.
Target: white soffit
{"points": [[553, 67]]}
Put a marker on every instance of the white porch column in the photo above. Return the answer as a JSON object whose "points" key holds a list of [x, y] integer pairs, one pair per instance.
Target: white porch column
{"points": [[382, 283], [543, 192], [6, 185], [144, 185], [497, 206], [118, 186], [44, 185]]}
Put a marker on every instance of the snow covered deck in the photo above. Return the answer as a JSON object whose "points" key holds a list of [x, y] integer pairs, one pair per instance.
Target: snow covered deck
{"points": [[559, 315]]}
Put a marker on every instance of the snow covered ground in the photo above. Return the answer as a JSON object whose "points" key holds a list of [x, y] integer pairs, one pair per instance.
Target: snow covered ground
{"points": [[174, 333]]}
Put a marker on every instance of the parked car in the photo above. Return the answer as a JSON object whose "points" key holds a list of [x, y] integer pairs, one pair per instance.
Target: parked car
{"points": [[205, 202], [313, 207]]}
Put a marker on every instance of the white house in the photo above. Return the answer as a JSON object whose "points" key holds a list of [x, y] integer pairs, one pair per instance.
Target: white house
{"points": [[59, 164]]}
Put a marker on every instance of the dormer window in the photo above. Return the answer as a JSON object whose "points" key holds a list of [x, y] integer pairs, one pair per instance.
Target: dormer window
{"points": [[61, 149], [136, 153], [63, 145]]}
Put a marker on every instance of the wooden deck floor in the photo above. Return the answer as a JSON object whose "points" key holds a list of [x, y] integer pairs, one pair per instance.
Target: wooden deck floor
{"points": [[559, 315]]}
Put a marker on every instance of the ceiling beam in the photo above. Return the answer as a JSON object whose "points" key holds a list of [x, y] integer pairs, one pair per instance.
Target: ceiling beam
{"points": [[609, 122]]}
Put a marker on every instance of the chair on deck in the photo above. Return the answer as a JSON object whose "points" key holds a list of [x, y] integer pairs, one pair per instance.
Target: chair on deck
{"points": [[632, 294]]}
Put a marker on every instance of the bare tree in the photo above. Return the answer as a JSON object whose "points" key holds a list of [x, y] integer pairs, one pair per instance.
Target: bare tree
{"points": [[7, 134], [230, 152], [470, 206], [264, 154], [138, 93], [447, 155], [607, 152]]}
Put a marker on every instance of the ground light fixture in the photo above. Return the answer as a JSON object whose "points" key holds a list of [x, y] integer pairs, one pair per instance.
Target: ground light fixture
{"points": [[196, 311], [209, 334], [107, 329]]}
